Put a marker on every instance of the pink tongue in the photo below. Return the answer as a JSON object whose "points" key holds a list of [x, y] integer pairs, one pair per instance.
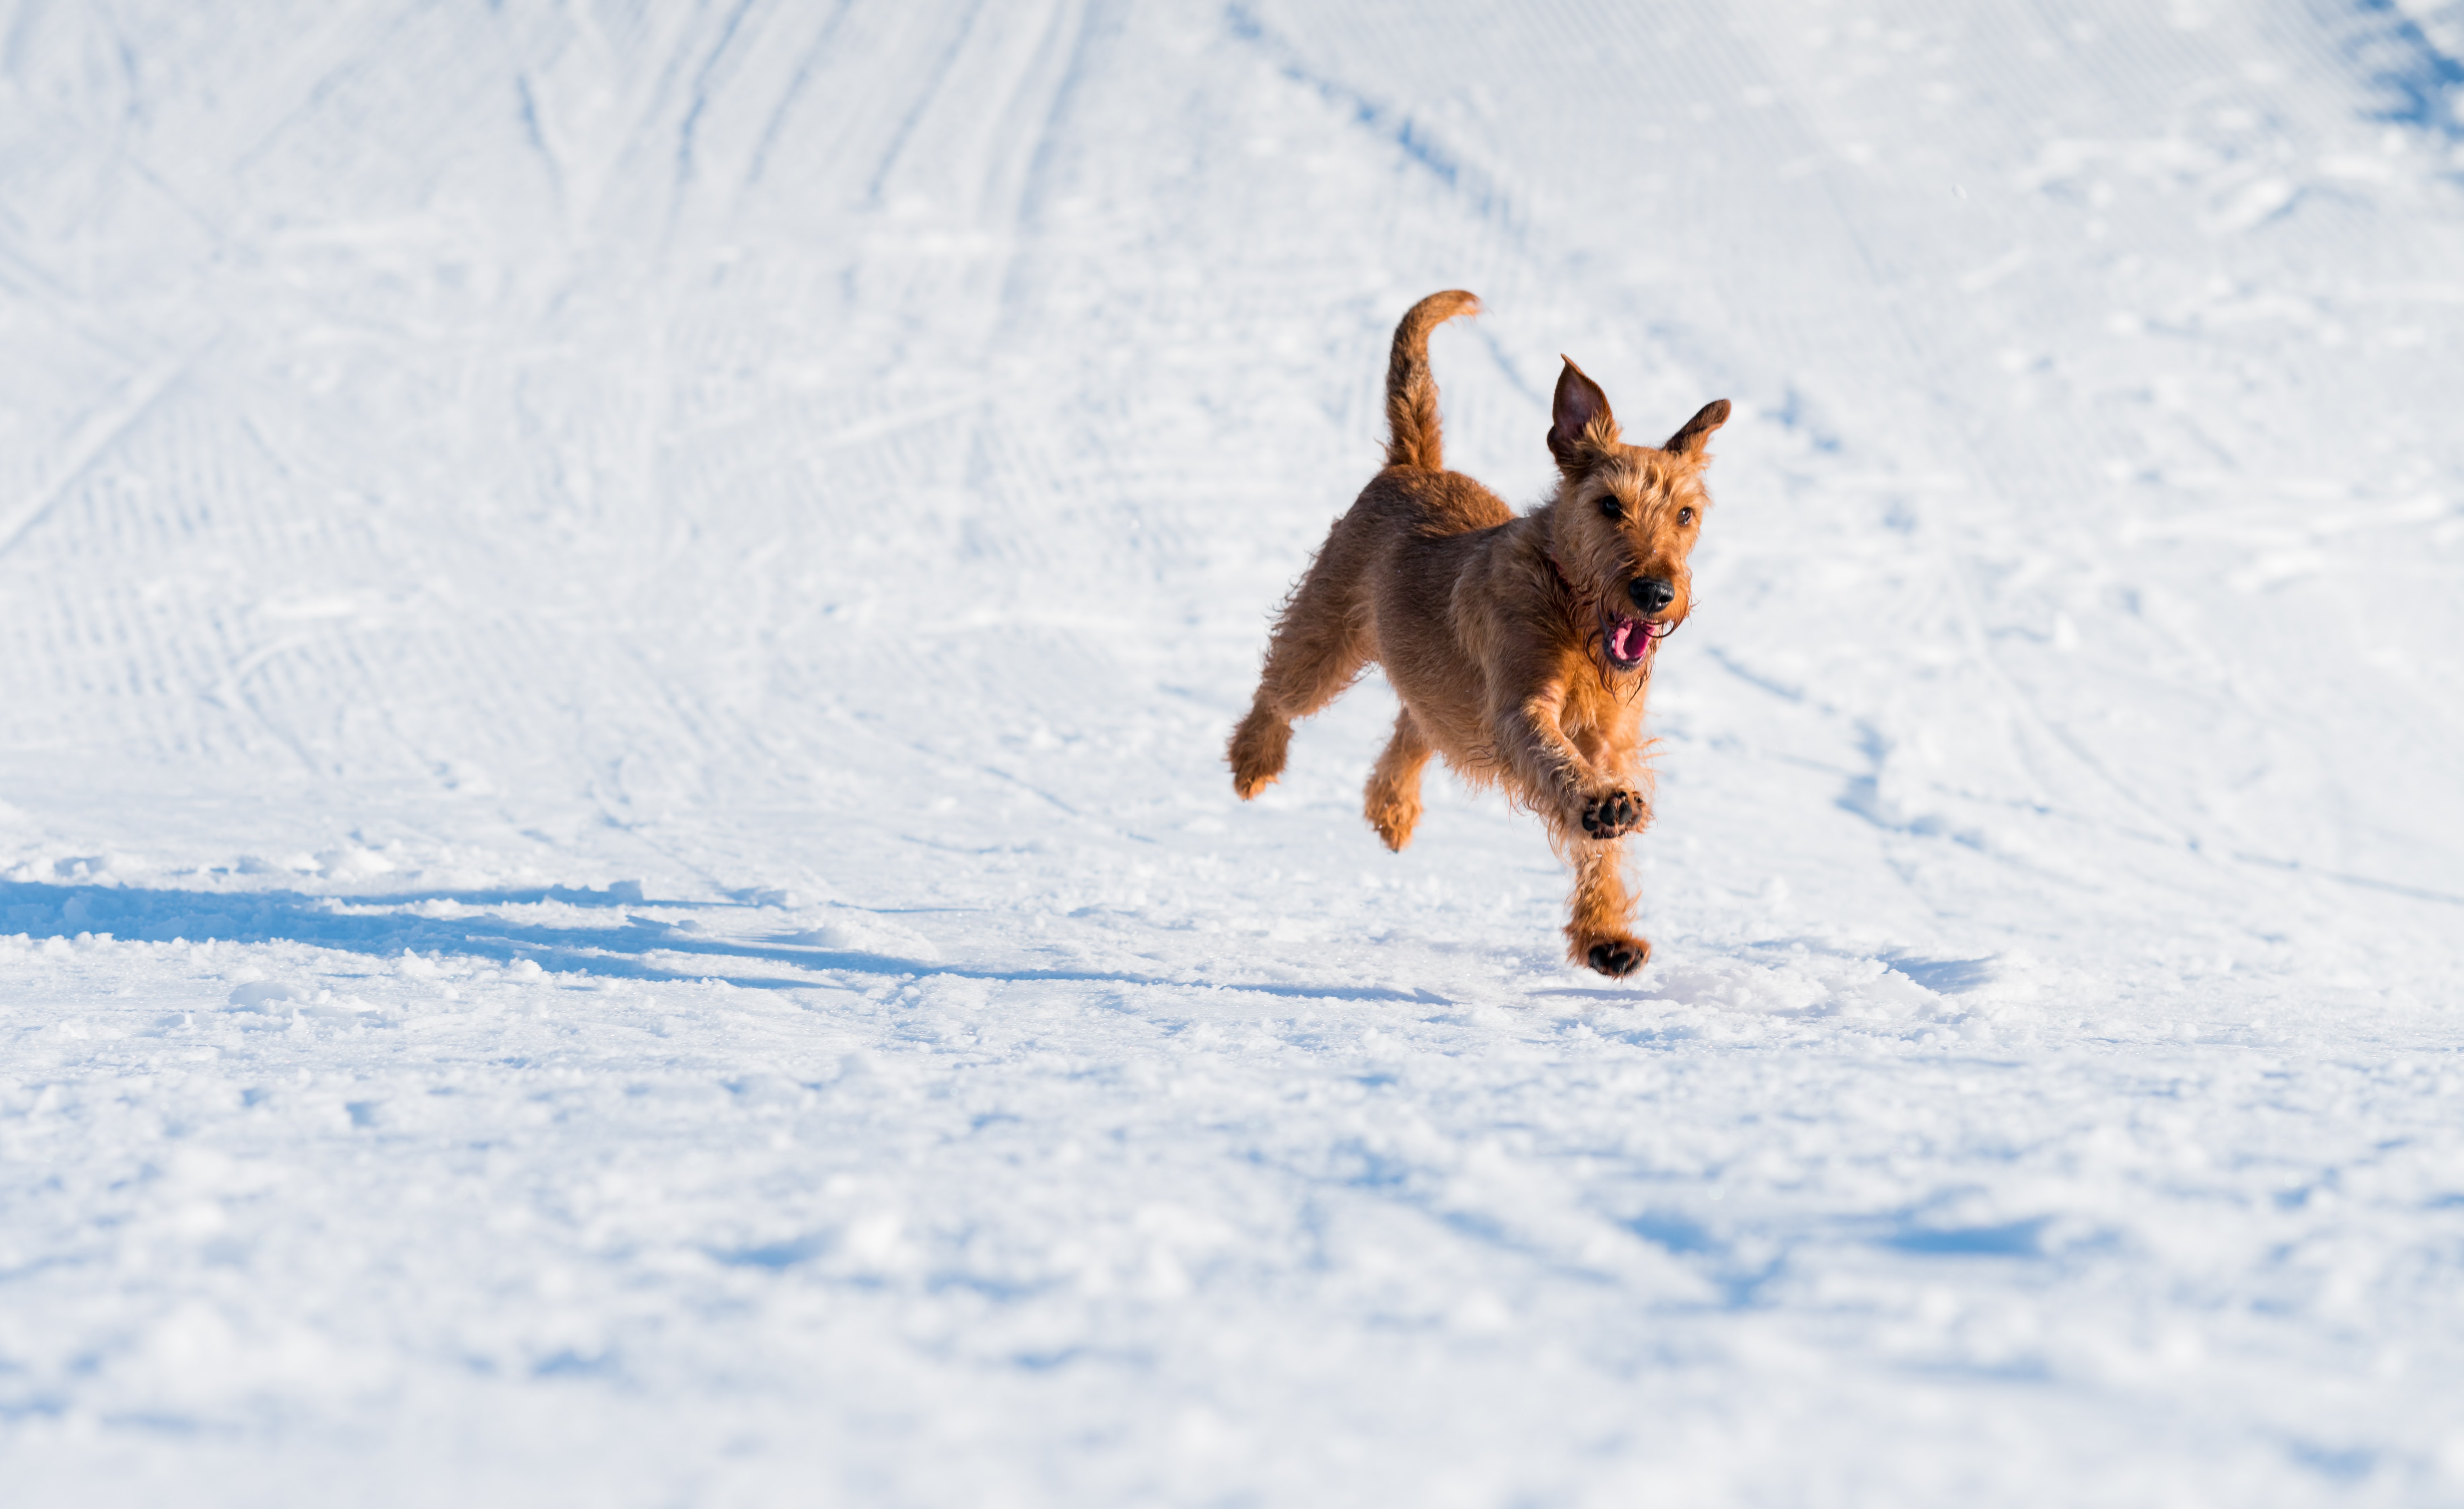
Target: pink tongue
{"points": [[1624, 635]]}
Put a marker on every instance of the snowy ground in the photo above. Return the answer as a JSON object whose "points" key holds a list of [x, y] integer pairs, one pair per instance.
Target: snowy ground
{"points": [[615, 881]]}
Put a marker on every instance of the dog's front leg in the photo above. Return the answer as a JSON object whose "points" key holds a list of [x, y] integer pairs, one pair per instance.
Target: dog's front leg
{"points": [[1579, 799], [1590, 811], [1596, 932]]}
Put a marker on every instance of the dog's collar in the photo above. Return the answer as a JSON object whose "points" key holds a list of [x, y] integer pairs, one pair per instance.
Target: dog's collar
{"points": [[1563, 581]]}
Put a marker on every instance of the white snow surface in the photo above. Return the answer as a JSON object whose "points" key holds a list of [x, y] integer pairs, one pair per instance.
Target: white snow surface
{"points": [[616, 880]]}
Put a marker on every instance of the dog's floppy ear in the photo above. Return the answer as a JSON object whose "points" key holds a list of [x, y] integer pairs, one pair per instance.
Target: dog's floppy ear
{"points": [[1580, 425], [1689, 441]]}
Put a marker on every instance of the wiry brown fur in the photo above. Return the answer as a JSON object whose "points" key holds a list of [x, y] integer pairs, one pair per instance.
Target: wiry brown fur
{"points": [[1500, 656]]}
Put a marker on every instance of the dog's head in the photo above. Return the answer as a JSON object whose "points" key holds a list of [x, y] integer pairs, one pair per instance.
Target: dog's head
{"points": [[1627, 517]]}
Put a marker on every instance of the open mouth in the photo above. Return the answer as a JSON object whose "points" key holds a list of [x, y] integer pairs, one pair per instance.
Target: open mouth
{"points": [[1630, 641]]}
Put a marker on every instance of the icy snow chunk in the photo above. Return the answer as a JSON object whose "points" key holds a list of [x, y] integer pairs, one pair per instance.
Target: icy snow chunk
{"points": [[1946, 977], [337, 1008], [351, 861], [262, 994], [2253, 205], [276, 996], [1735, 985], [874, 1240], [864, 932]]}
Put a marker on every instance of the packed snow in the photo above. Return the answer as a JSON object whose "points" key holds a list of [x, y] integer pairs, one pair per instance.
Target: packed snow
{"points": [[616, 880]]}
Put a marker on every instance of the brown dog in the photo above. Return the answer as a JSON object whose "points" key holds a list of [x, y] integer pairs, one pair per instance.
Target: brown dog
{"points": [[1521, 647]]}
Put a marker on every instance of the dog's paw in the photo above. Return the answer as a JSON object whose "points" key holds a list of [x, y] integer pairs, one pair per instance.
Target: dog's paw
{"points": [[1257, 753], [1395, 825], [1615, 815], [1619, 957]]}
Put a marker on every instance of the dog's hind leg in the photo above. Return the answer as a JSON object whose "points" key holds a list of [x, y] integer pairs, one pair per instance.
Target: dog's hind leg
{"points": [[1597, 934], [1393, 804], [1319, 647]]}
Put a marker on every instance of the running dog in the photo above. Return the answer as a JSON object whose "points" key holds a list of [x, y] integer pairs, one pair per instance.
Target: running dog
{"points": [[1521, 645]]}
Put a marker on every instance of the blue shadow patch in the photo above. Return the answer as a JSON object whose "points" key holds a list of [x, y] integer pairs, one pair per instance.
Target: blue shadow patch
{"points": [[2019, 1239]]}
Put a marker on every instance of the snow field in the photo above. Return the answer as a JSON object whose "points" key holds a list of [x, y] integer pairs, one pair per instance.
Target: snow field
{"points": [[615, 884], [841, 1224]]}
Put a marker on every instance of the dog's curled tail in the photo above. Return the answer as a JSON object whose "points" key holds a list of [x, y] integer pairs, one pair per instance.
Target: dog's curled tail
{"points": [[1411, 392]]}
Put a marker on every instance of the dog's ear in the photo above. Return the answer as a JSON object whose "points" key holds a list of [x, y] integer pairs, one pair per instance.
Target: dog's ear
{"points": [[1689, 441], [1580, 425]]}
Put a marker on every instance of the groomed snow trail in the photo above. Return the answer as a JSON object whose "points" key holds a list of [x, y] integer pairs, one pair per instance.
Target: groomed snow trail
{"points": [[616, 886]]}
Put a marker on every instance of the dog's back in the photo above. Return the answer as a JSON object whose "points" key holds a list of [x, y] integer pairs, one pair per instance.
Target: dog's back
{"points": [[1379, 587]]}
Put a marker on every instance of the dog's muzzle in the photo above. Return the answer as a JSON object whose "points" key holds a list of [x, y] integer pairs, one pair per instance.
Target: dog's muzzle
{"points": [[1629, 640]]}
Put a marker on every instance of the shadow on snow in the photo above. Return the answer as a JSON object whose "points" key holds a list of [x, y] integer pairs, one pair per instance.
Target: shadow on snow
{"points": [[616, 948]]}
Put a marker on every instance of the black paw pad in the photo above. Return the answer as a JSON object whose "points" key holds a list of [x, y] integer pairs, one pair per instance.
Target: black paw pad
{"points": [[1620, 959], [1619, 812]]}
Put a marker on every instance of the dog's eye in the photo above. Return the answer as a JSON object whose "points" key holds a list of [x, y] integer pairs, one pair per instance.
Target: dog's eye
{"points": [[1685, 516], [1611, 507]]}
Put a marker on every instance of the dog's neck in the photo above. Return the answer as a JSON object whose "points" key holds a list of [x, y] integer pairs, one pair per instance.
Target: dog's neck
{"points": [[1565, 578], [1547, 519], [1577, 600]]}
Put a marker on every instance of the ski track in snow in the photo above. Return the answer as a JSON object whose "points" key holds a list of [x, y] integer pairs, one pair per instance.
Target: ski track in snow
{"points": [[616, 626]]}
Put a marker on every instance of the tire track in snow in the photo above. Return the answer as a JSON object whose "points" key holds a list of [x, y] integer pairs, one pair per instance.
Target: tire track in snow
{"points": [[1480, 192], [103, 429]]}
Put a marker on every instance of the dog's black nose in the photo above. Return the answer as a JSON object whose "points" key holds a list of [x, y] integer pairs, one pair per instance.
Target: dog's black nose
{"points": [[1650, 594]]}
